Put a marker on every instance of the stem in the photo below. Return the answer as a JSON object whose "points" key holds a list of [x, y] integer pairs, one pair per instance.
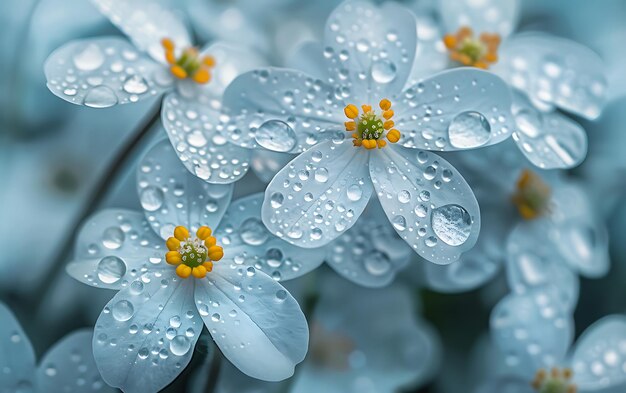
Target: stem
{"points": [[117, 163]]}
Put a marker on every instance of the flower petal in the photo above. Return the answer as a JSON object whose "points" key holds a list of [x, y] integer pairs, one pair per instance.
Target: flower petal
{"points": [[146, 334], [171, 196], [428, 202], [113, 246], [69, 366], [266, 163], [279, 109], [18, 357], [102, 72], [308, 57], [548, 139], [319, 195], [462, 108], [191, 127], [554, 71], [485, 16], [599, 354], [431, 55], [532, 331], [146, 23], [247, 241], [370, 253], [258, 325], [369, 49]]}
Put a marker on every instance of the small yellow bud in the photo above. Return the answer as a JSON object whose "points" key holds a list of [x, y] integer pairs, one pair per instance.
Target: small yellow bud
{"points": [[199, 271], [393, 135], [385, 104], [351, 111], [183, 271], [210, 241], [350, 125], [172, 244], [181, 233], [215, 253], [208, 265], [203, 232], [173, 257]]}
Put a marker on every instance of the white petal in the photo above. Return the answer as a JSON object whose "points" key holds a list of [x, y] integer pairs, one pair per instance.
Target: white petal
{"points": [[428, 202], [279, 109], [171, 196], [319, 195], [258, 325], [266, 163], [113, 246], [462, 108], [548, 139], [102, 72], [431, 55], [370, 253], [532, 331], [69, 366], [146, 23], [18, 357], [599, 354], [191, 127], [146, 334], [247, 241], [309, 58], [484, 16], [369, 49], [554, 71]]}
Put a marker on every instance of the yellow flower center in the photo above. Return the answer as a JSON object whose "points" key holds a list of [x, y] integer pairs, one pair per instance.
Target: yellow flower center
{"points": [[465, 48], [556, 381], [532, 196], [369, 129], [193, 255], [188, 64]]}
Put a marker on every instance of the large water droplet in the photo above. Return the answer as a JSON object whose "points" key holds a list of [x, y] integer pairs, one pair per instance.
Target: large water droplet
{"points": [[253, 232], [399, 222], [123, 310], [111, 269], [151, 198], [112, 238], [354, 192], [276, 200], [135, 84], [89, 59], [180, 345], [452, 224], [383, 71], [377, 263], [469, 129], [100, 97], [276, 135]]}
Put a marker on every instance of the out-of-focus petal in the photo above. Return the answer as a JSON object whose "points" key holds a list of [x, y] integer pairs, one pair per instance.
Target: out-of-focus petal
{"points": [[507, 384], [146, 334], [266, 163], [103, 72], [484, 16], [458, 109], [428, 202], [309, 58], [171, 196], [256, 323], [319, 195], [431, 55], [146, 23], [113, 246], [18, 357]]}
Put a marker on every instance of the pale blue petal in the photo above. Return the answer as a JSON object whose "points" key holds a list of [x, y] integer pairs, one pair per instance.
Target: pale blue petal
{"points": [[247, 241], [533, 262], [554, 71], [369, 49], [171, 196], [146, 23], [279, 109], [266, 163], [319, 195], [431, 55], [69, 367], [18, 357], [508, 384], [458, 109], [371, 252], [113, 247], [531, 331], [548, 139], [191, 128], [146, 334], [598, 359], [485, 16], [308, 57], [428, 202], [256, 323], [102, 72]]}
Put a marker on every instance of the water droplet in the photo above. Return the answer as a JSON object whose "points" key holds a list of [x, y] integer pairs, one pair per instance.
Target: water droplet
{"points": [[196, 138], [321, 175], [383, 71], [399, 222], [135, 84], [377, 263], [216, 317], [253, 232], [452, 224], [281, 295], [111, 269], [404, 196], [469, 129], [112, 238], [274, 257], [123, 310], [100, 97], [136, 288], [276, 200], [276, 135], [180, 345], [354, 192], [175, 322], [151, 198], [89, 58]]}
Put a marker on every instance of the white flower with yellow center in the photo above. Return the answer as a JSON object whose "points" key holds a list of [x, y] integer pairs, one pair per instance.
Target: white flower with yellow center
{"points": [[366, 63]]}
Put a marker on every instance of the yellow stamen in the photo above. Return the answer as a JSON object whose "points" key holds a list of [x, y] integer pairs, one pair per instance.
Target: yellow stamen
{"points": [[202, 76], [188, 64], [178, 71], [357, 142], [532, 196], [388, 124], [465, 48], [172, 244], [556, 381], [381, 143], [208, 61], [351, 111], [183, 271], [203, 232], [216, 253], [370, 128], [366, 108], [388, 114], [350, 125], [181, 233], [173, 257], [208, 265], [210, 241], [385, 104], [199, 271], [167, 44], [449, 41], [193, 255], [170, 57], [393, 135]]}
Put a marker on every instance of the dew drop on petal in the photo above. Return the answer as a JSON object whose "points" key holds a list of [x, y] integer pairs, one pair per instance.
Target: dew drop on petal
{"points": [[399, 222], [276, 135], [89, 58], [276, 200], [383, 71], [110, 269], [135, 84], [112, 238], [100, 97], [253, 232], [180, 345], [354, 192], [123, 310], [151, 198], [452, 224], [377, 263], [469, 129]]}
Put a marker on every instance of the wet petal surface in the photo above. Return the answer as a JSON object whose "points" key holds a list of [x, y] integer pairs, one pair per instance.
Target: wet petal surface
{"points": [[18, 357], [485, 16]]}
